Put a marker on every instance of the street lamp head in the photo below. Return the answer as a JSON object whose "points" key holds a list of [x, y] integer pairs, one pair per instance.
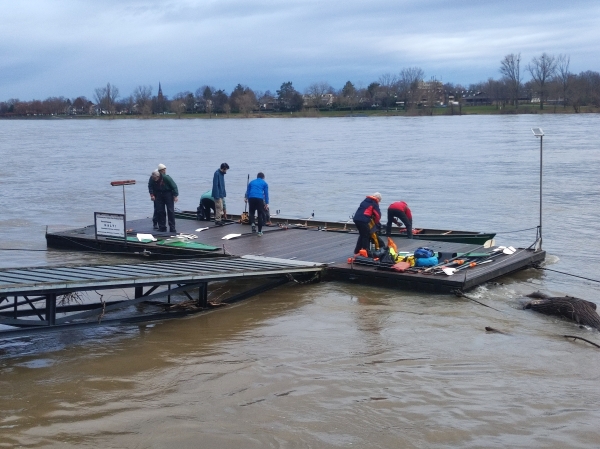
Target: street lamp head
{"points": [[537, 132]]}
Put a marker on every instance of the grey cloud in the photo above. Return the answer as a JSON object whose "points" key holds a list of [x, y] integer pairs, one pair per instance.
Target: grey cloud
{"points": [[69, 48]]}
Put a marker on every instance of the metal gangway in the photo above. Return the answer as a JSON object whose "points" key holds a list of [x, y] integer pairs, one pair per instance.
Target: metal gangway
{"points": [[30, 298]]}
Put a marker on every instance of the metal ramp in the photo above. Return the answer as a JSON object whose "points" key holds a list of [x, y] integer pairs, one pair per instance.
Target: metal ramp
{"points": [[33, 292]]}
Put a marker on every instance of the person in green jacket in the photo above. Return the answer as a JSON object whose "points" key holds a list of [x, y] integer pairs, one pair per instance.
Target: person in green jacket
{"points": [[164, 193], [207, 203]]}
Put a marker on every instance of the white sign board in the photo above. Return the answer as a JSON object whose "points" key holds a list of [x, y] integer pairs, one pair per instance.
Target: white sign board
{"points": [[110, 225]]}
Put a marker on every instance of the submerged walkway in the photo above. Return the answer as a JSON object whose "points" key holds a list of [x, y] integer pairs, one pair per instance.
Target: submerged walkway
{"points": [[34, 292]]}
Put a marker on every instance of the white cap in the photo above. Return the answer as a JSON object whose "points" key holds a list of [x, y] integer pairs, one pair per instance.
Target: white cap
{"points": [[161, 167], [377, 195]]}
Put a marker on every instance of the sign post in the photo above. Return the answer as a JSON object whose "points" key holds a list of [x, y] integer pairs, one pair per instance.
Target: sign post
{"points": [[123, 183], [110, 225]]}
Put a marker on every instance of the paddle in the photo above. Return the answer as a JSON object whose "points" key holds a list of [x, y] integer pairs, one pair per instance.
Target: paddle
{"points": [[246, 202], [498, 251], [487, 244]]}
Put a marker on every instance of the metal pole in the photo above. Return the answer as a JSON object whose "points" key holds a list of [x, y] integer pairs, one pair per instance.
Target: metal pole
{"points": [[51, 309], [541, 164], [124, 212]]}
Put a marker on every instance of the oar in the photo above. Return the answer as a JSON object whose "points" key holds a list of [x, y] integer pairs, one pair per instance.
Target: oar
{"points": [[451, 271], [246, 202], [462, 256]]}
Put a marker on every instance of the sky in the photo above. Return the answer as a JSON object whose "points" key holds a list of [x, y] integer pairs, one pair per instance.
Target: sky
{"points": [[52, 48]]}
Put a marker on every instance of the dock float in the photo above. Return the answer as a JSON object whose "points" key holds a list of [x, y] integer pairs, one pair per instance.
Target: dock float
{"points": [[299, 240]]}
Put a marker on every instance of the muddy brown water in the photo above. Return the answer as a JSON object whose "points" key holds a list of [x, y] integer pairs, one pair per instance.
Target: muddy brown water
{"points": [[323, 365]]}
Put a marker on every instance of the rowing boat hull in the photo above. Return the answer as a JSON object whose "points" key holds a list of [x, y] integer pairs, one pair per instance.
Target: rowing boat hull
{"points": [[440, 235]]}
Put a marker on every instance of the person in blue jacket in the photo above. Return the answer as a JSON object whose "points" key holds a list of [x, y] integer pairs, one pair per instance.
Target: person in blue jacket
{"points": [[218, 192], [367, 218], [257, 197]]}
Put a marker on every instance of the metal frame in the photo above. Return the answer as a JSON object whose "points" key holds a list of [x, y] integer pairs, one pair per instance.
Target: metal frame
{"points": [[188, 276]]}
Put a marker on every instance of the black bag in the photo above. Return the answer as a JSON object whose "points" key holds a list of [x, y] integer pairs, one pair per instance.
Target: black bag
{"points": [[387, 259]]}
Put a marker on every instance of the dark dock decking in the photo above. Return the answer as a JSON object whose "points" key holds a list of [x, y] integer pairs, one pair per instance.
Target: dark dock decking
{"points": [[303, 243]]}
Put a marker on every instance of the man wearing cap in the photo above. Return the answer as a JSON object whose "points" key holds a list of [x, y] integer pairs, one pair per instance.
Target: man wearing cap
{"points": [[366, 218], [164, 193], [218, 192]]}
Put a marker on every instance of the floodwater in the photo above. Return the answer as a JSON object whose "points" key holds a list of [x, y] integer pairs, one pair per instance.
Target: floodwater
{"points": [[325, 365]]}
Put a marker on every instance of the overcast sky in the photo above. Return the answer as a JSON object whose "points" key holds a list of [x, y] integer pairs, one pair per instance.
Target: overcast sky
{"points": [[70, 47]]}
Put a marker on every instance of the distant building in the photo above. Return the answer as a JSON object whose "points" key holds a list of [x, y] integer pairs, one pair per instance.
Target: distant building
{"points": [[477, 99]]}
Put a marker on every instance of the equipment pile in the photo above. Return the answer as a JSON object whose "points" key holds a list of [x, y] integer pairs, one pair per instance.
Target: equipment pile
{"points": [[424, 260]]}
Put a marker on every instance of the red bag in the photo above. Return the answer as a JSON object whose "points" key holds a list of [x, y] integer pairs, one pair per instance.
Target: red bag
{"points": [[401, 266]]}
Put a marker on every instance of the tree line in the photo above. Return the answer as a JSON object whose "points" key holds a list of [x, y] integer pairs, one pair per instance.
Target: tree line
{"points": [[550, 81]]}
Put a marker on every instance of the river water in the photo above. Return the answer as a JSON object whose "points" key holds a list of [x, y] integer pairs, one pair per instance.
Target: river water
{"points": [[325, 365]]}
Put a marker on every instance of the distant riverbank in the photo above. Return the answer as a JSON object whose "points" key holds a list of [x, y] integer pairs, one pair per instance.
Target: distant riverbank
{"points": [[313, 113]]}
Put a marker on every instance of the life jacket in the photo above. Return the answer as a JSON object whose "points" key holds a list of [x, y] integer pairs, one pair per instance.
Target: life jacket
{"points": [[402, 207], [368, 209]]}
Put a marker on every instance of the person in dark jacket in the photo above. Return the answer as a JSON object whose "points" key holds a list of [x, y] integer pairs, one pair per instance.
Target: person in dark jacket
{"points": [[399, 211], [153, 177], [367, 218], [165, 194], [218, 192], [257, 196]]}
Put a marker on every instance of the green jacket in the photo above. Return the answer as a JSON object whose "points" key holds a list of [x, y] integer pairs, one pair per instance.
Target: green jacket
{"points": [[164, 184], [208, 195]]}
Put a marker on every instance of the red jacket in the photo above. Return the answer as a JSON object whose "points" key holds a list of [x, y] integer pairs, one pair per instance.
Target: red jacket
{"points": [[368, 209], [402, 207]]}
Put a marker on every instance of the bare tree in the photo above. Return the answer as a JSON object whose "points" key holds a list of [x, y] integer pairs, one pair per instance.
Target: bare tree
{"points": [[563, 76], [542, 69], [316, 93], [142, 96], [510, 67], [388, 84], [178, 106], [106, 97], [408, 85], [204, 99], [585, 90], [496, 91]]}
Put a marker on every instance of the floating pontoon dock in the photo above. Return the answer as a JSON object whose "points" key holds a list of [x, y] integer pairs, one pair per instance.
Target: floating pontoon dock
{"points": [[303, 242]]}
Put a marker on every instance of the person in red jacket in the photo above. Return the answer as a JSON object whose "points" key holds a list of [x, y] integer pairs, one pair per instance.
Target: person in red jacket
{"points": [[366, 218], [399, 211]]}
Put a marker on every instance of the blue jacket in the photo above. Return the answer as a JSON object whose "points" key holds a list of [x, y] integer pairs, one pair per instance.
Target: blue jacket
{"points": [[368, 209], [258, 188], [218, 190]]}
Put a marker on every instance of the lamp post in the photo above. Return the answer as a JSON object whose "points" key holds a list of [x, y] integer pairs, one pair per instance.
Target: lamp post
{"points": [[538, 132]]}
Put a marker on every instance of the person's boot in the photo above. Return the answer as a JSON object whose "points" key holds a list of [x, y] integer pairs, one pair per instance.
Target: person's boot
{"points": [[253, 228]]}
